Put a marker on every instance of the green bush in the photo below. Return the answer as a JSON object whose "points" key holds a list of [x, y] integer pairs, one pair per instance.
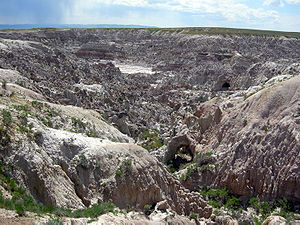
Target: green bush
{"points": [[51, 112], [147, 207], [92, 133], [257, 221], [6, 117], [219, 194], [37, 104], [266, 208], [21, 108], [20, 83], [151, 140], [78, 123], [193, 216], [94, 211], [4, 84], [233, 202], [19, 207], [118, 172], [4, 138], [214, 204]]}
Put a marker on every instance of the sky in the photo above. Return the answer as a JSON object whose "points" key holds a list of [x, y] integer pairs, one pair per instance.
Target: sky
{"points": [[281, 15]]}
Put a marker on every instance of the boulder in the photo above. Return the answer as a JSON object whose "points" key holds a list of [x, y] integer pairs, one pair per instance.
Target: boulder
{"points": [[274, 220]]}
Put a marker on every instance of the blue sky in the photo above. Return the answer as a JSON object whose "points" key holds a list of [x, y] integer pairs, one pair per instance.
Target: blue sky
{"points": [[260, 14]]}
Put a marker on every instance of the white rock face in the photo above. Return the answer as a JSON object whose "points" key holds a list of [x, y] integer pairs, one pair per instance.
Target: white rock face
{"points": [[72, 170], [130, 69], [68, 169]]}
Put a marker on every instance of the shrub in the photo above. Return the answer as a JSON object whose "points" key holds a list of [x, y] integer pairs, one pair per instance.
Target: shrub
{"points": [[6, 117], [127, 164], [118, 172], [151, 140], [21, 107], [78, 122], [193, 216], [4, 84], [92, 133], [4, 138], [147, 207], [19, 208], [257, 221], [94, 211], [233, 202], [266, 208], [20, 83], [214, 204], [51, 112], [253, 202], [37, 104]]}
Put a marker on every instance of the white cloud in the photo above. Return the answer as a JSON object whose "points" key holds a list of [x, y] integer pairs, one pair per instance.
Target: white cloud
{"points": [[230, 9], [280, 2], [293, 1], [274, 3]]}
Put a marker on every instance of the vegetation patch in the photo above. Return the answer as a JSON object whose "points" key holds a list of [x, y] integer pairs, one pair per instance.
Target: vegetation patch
{"points": [[6, 118], [124, 167], [5, 138], [151, 140], [222, 198], [21, 201]]}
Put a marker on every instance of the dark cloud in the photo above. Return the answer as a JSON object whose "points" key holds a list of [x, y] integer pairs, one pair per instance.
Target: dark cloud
{"points": [[32, 11]]}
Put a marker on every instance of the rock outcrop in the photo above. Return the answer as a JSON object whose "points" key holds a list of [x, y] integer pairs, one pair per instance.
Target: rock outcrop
{"points": [[256, 144]]}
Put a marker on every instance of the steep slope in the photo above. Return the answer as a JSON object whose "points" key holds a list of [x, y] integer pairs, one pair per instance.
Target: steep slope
{"points": [[256, 144]]}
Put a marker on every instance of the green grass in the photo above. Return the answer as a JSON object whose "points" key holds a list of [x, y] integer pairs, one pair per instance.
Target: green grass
{"points": [[5, 138]]}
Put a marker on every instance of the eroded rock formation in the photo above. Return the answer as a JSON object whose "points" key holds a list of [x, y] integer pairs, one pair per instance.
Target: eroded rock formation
{"points": [[256, 144]]}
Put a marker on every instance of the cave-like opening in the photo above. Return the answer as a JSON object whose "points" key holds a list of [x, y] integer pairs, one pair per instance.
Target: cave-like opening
{"points": [[225, 86], [182, 156]]}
